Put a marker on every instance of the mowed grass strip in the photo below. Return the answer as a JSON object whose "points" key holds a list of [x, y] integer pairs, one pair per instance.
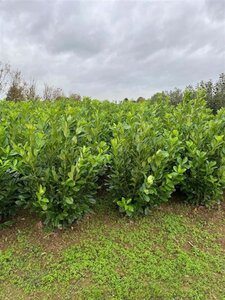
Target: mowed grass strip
{"points": [[177, 252]]}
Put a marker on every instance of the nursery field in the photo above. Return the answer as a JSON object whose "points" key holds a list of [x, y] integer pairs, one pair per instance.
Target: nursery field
{"points": [[55, 157], [112, 201]]}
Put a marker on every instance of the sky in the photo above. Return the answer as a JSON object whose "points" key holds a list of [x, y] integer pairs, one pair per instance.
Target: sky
{"points": [[114, 49]]}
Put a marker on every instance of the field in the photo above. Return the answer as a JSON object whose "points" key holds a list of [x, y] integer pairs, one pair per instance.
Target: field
{"points": [[177, 252], [112, 201]]}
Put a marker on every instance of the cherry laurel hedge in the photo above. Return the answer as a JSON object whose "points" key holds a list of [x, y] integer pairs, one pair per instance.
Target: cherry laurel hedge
{"points": [[54, 157]]}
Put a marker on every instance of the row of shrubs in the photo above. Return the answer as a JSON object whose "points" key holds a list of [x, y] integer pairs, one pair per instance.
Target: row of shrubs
{"points": [[54, 157]]}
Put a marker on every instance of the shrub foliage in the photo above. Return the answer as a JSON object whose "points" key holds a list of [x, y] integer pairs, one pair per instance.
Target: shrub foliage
{"points": [[54, 157]]}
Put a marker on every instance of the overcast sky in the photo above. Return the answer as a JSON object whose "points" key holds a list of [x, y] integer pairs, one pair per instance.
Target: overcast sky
{"points": [[114, 49]]}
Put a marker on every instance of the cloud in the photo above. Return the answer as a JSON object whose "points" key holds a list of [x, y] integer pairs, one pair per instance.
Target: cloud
{"points": [[114, 49], [216, 10]]}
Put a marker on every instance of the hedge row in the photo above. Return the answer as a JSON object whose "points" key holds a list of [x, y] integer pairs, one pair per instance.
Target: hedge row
{"points": [[54, 157]]}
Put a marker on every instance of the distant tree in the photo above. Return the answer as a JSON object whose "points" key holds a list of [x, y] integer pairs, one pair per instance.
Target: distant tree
{"points": [[140, 99], [176, 96], [16, 91], [159, 96], [57, 94], [75, 97], [51, 93], [219, 93], [208, 87], [48, 92], [30, 91], [192, 92], [4, 77], [125, 99], [215, 92]]}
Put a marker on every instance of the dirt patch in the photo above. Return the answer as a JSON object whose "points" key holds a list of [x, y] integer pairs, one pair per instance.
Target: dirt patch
{"points": [[57, 239]]}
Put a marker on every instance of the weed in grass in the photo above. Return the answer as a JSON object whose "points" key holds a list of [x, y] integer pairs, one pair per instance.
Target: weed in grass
{"points": [[162, 256]]}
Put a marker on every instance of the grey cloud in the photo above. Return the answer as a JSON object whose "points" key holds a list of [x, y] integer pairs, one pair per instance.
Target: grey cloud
{"points": [[216, 10], [114, 49]]}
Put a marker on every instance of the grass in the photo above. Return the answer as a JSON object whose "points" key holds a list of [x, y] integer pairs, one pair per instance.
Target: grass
{"points": [[177, 252]]}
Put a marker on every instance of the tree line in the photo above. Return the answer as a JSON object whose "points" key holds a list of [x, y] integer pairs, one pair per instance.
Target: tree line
{"points": [[214, 93], [13, 87]]}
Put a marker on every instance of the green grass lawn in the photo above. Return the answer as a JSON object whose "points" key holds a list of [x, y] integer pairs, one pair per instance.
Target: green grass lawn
{"points": [[177, 252]]}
